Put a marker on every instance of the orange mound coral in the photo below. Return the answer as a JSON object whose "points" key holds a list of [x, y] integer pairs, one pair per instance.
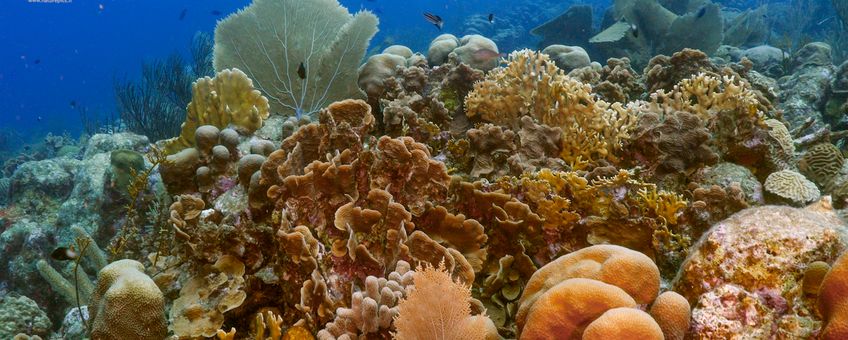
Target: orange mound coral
{"points": [[623, 323], [831, 302]]}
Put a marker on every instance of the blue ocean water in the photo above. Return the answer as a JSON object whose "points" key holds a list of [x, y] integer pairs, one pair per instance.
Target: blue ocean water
{"points": [[62, 54], [59, 55]]}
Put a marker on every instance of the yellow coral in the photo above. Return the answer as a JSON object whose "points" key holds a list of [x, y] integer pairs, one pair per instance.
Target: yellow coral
{"points": [[705, 96], [532, 85], [228, 99]]}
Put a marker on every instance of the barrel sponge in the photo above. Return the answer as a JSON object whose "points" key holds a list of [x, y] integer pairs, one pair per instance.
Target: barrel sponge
{"points": [[127, 304], [832, 303], [229, 99], [671, 311], [629, 270], [623, 323], [570, 305]]}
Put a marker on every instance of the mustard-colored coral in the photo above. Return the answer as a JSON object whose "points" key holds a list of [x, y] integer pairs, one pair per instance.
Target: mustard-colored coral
{"points": [[531, 85], [228, 99], [123, 287]]}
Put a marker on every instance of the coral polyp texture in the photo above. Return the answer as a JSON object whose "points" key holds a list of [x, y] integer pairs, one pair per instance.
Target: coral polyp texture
{"points": [[461, 187]]}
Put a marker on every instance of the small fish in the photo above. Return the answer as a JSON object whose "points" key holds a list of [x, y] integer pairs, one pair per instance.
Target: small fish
{"points": [[39, 118], [101, 7], [824, 21], [215, 12], [491, 18], [701, 12], [434, 19], [37, 61], [64, 254], [301, 71], [486, 54], [183, 13], [635, 30], [73, 104]]}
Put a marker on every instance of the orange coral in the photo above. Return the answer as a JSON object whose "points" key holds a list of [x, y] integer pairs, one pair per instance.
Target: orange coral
{"points": [[672, 312], [623, 323], [438, 308], [832, 303]]}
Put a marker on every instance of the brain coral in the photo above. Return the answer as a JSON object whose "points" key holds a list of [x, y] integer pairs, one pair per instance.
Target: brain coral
{"points": [[792, 186], [577, 295], [127, 304], [821, 163], [749, 267]]}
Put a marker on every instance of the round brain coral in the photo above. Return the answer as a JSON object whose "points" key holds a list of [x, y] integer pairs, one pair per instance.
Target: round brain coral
{"points": [[569, 293], [623, 323], [792, 186], [127, 304]]}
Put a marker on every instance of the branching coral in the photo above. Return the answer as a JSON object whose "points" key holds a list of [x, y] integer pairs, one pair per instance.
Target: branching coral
{"points": [[531, 85]]}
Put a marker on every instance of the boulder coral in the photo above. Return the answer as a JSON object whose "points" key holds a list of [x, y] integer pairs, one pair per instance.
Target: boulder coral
{"points": [[831, 300], [123, 287], [595, 293], [749, 267]]}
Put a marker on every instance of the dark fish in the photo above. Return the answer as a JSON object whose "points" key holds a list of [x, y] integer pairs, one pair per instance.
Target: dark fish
{"points": [[183, 13], [301, 71], [635, 31], [215, 12], [37, 61], [64, 254], [491, 18], [701, 12], [434, 19], [73, 104]]}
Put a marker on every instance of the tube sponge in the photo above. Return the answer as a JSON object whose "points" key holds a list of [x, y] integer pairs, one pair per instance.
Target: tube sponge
{"points": [[127, 304]]}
